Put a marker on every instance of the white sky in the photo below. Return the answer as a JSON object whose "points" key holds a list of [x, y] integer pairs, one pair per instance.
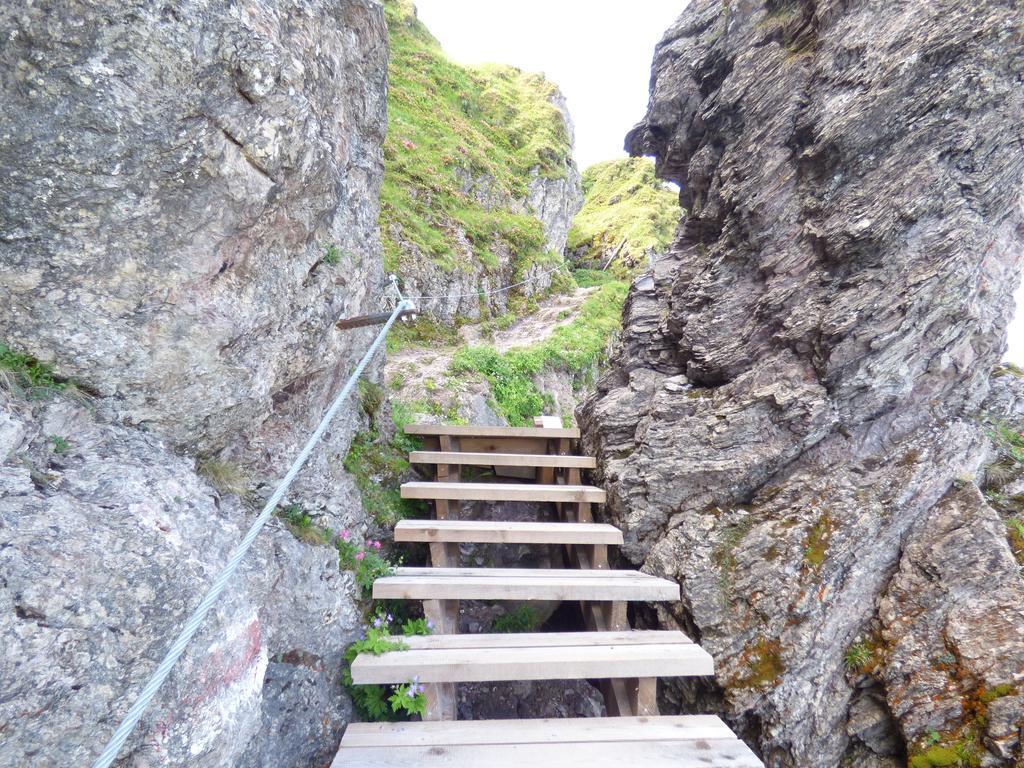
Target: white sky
{"points": [[598, 52]]}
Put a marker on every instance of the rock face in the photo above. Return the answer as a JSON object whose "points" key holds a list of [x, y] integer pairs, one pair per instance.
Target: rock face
{"points": [[790, 427], [191, 202], [179, 182], [106, 544]]}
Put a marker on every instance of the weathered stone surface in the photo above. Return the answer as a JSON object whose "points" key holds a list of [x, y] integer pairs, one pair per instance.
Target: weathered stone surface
{"points": [[953, 624], [104, 549], [174, 176], [799, 379]]}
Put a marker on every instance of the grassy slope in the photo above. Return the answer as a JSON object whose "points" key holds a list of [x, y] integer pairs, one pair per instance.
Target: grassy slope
{"points": [[447, 120], [623, 201], [575, 348]]}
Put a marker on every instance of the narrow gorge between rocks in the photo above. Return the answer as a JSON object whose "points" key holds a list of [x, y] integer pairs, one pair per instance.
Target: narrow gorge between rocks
{"points": [[779, 325]]}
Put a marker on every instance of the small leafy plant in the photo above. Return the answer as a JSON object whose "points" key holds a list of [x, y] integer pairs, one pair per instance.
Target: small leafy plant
{"points": [[60, 444], [375, 702], [857, 657], [332, 256], [364, 560], [524, 618]]}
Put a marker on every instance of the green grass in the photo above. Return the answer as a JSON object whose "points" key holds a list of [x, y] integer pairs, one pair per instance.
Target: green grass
{"points": [[378, 465], [523, 618], [224, 476], [575, 347], [25, 375], [332, 256], [60, 444], [623, 201], [448, 122]]}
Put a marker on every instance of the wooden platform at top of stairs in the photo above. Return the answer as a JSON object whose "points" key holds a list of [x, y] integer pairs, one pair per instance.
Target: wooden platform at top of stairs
{"points": [[681, 741]]}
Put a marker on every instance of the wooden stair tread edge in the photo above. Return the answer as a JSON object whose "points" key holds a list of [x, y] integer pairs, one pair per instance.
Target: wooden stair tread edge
{"points": [[496, 531], [462, 430], [688, 753], [548, 639], [594, 589], [502, 459], [502, 492], [417, 571], [538, 731], [559, 662]]}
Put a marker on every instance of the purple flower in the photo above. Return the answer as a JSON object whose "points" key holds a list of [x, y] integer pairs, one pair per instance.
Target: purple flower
{"points": [[378, 622], [346, 535], [430, 624], [414, 688]]}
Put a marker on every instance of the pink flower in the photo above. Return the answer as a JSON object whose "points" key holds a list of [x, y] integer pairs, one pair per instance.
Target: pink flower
{"points": [[360, 555], [408, 144], [376, 545], [346, 535]]}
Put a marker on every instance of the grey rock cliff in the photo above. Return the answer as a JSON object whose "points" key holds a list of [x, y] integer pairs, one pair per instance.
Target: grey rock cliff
{"points": [[797, 393], [174, 176], [105, 548]]}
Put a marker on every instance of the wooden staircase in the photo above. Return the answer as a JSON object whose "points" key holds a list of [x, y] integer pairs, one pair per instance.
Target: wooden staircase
{"points": [[531, 464]]}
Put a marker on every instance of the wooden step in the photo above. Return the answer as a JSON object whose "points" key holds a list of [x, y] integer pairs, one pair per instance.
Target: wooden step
{"points": [[488, 658], [522, 584], [502, 459], [450, 430], [504, 492], [681, 741], [491, 532]]}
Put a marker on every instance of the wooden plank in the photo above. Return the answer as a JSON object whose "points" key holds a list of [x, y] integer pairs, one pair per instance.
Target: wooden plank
{"points": [[552, 585], [502, 459], [560, 662], [709, 753], [498, 532], [503, 492], [453, 430], [537, 731], [502, 574], [548, 639]]}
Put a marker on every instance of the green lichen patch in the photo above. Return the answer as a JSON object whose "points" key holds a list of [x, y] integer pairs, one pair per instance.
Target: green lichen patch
{"points": [[816, 544], [625, 206], [760, 665]]}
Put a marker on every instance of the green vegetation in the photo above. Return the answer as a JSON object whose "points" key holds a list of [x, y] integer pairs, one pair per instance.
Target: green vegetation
{"points": [[862, 656], [762, 665], [379, 703], [332, 256], [377, 464], [424, 332], [224, 476], [1015, 532], [26, 376], [724, 553], [450, 125], [523, 618], [576, 347], [816, 545], [60, 444], [624, 205]]}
